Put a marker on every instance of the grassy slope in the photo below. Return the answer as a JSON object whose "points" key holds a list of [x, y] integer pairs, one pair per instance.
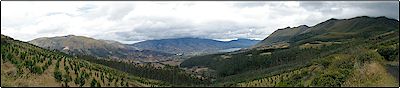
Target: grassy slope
{"points": [[366, 68], [328, 65], [17, 55]]}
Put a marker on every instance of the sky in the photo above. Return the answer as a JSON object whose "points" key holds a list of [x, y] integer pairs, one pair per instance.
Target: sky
{"points": [[132, 21]]}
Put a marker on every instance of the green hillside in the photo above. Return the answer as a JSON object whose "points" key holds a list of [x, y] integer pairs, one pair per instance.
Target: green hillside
{"points": [[361, 51], [23, 64], [282, 35]]}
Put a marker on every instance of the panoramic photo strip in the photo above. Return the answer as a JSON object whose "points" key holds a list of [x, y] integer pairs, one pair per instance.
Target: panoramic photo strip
{"points": [[200, 43]]}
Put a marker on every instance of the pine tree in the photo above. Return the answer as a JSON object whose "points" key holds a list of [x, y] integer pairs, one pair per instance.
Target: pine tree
{"points": [[58, 75], [94, 83]]}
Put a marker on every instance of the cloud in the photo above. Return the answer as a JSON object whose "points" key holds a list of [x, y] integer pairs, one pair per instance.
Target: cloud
{"points": [[134, 21], [249, 4], [354, 8]]}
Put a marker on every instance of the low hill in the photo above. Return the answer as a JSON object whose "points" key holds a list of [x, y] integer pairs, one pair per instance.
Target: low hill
{"points": [[81, 45]]}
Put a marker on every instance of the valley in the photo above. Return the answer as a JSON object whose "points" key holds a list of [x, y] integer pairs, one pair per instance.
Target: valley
{"points": [[356, 52]]}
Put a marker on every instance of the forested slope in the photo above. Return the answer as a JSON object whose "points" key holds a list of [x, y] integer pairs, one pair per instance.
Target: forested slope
{"points": [[23, 64], [360, 51]]}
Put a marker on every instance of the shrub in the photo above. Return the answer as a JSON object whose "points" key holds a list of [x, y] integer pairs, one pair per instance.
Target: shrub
{"points": [[37, 69], [58, 75], [29, 64], [389, 53], [329, 80], [94, 83], [67, 78]]}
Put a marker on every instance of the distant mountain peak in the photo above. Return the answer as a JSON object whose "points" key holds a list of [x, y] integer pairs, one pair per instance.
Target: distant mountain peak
{"points": [[189, 38], [384, 17], [244, 39], [365, 17], [181, 38], [303, 26], [70, 35], [66, 36], [285, 28], [292, 28], [332, 19]]}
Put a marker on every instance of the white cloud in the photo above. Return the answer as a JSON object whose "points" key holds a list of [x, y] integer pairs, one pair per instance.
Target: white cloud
{"points": [[134, 21]]}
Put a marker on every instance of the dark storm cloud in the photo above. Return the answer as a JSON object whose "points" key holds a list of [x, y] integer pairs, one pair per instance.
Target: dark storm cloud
{"points": [[389, 9], [323, 7], [372, 8]]}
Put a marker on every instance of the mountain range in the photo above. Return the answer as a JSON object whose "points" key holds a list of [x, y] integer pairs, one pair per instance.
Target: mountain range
{"points": [[330, 29], [158, 49], [356, 52], [192, 46]]}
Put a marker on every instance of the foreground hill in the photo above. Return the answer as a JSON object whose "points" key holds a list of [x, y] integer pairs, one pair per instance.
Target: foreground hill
{"points": [[80, 45], [23, 64], [361, 51], [192, 46]]}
